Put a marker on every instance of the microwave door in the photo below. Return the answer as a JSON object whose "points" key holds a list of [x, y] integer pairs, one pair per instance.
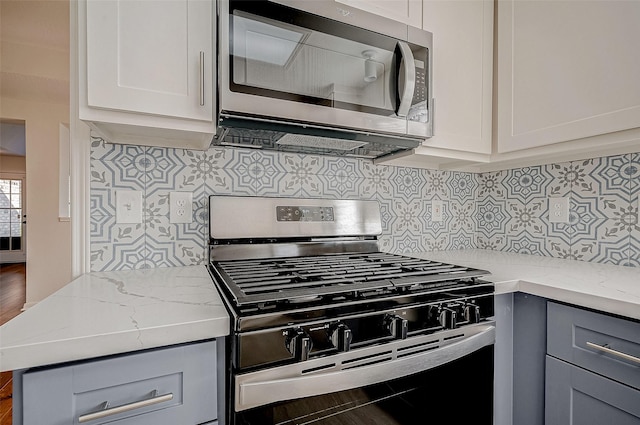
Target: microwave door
{"points": [[329, 67]]}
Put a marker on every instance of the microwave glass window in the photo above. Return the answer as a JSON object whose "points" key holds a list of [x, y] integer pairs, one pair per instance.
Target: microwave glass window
{"points": [[282, 60]]}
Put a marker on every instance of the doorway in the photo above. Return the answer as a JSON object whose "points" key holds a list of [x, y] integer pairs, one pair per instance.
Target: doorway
{"points": [[12, 219], [12, 192]]}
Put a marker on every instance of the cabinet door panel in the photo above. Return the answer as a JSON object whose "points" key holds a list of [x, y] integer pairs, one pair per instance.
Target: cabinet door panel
{"points": [[145, 56], [578, 397], [567, 70], [61, 395], [462, 73], [407, 11], [574, 335]]}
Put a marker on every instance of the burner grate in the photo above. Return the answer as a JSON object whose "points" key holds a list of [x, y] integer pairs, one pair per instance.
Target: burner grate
{"points": [[291, 278]]}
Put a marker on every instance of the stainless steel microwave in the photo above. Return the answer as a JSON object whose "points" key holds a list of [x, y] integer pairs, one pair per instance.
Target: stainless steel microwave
{"points": [[317, 76]]}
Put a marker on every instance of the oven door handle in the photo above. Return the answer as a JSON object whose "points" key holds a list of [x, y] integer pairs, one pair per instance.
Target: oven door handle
{"points": [[263, 387]]}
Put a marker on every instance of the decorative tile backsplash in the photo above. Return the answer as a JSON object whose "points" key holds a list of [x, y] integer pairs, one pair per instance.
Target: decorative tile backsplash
{"points": [[504, 210]]}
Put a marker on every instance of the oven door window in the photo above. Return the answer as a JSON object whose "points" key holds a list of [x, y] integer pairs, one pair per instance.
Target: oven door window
{"points": [[289, 54], [461, 390]]}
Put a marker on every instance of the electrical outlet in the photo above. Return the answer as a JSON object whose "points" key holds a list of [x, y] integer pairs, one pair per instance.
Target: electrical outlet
{"points": [[180, 207], [128, 206], [436, 210], [559, 210]]}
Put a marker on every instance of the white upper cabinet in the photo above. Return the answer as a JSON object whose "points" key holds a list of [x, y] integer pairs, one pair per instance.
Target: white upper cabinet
{"points": [[567, 70], [462, 73], [407, 11], [146, 71], [462, 84]]}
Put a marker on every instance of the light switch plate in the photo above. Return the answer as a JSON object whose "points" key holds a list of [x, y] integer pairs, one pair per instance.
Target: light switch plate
{"points": [[180, 207], [436, 210], [559, 210], [128, 206]]}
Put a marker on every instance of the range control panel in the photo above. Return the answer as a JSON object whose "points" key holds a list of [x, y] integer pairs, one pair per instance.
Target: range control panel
{"points": [[308, 213]]}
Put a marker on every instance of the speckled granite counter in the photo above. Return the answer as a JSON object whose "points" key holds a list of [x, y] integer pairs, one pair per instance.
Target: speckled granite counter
{"points": [[107, 313], [613, 289]]}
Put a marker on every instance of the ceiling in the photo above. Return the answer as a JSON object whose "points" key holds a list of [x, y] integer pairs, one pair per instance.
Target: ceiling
{"points": [[34, 63]]}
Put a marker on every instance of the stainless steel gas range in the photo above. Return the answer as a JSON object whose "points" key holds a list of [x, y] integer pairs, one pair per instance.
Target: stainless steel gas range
{"points": [[326, 329]]}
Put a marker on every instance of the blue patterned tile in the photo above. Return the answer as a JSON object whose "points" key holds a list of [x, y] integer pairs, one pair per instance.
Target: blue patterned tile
{"points": [[492, 185], [436, 184], [525, 218], [527, 183], [461, 186], [503, 210], [461, 240], [101, 202], [407, 243], [341, 178], [633, 171], [585, 219], [213, 168], [611, 175], [376, 182], [176, 244], [117, 175], [407, 217], [462, 216], [407, 183], [491, 217], [563, 177], [435, 243], [493, 243], [526, 243], [123, 249]]}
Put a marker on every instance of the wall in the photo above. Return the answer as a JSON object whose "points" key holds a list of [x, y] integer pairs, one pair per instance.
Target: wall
{"points": [[48, 240], [34, 87], [504, 210]]}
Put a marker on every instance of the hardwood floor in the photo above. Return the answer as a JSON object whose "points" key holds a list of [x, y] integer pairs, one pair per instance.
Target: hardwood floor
{"points": [[12, 298]]}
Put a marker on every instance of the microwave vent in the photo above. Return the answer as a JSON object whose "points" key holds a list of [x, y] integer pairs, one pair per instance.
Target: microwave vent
{"points": [[319, 142]]}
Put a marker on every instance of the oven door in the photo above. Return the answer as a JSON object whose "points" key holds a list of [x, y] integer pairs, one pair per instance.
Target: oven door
{"points": [[387, 384], [295, 65]]}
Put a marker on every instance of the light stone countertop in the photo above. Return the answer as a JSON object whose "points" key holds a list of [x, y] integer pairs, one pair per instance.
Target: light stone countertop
{"points": [[106, 313], [604, 287]]}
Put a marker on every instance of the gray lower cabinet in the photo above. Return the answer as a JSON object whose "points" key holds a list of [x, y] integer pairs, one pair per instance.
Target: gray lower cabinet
{"points": [[592, 368], [175, 385], [579, 397]]}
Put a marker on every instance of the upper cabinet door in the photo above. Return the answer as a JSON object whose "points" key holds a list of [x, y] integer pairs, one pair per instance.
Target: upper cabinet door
{"points": [[462, 73], [151, 57], [566, 70], [407, 11]]}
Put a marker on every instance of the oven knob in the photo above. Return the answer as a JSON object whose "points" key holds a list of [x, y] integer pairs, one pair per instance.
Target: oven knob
{"points": [[341, 337], [471, 313], [299, 344], [447, 318], [397, 326]]}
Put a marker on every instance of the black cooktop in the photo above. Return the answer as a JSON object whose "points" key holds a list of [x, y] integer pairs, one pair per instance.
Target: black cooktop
{"points": [[303, 279]]}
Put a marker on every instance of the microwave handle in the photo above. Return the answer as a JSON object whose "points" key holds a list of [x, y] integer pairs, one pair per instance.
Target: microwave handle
{"points": [[406, 56]]}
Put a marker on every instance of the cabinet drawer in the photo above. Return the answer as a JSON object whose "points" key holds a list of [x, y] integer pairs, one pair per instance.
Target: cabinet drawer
{"points": [[165, 386], [577, 396], [604, 344]]}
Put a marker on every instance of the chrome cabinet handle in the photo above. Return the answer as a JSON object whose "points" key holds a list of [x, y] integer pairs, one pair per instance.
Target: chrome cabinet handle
{"points": [[616, 353], [409, 79], [201, 78], [155, 399]]}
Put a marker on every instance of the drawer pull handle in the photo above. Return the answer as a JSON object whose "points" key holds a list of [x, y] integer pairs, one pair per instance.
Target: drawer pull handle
{"points": [[155, 399], [608, 350]]}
